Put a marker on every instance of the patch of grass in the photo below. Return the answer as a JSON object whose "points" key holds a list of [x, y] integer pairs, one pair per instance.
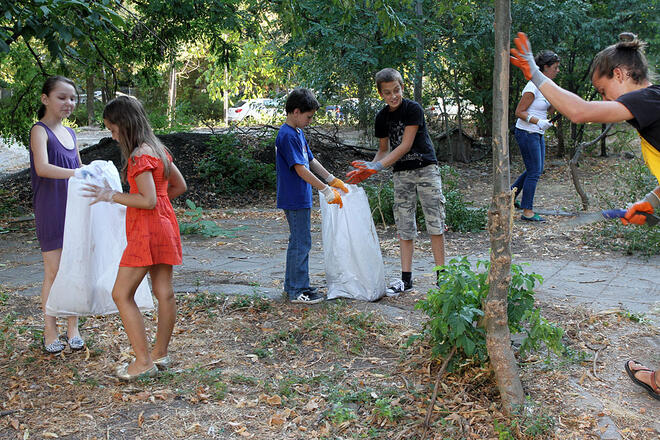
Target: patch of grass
{"points": [[387, 409], [188, 382], [239, 379], [256, 302], [263, 353], [634, 317], [340, 414]]}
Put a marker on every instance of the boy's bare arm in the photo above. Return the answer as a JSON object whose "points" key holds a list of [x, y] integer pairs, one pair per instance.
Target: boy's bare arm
{"points": [[318, 169], [308, 177], [406, 144]]}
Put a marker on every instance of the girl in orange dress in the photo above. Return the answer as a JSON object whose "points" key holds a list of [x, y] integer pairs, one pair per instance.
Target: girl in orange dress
{"points": [[152, 232]]}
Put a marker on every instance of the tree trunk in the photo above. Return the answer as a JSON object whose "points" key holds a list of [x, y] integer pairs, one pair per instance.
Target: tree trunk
{"points": [[419, 62], [561, 142], [225, 95], [500, 222], [89, 86], [603, 142], [459, 118], [171, 102]]}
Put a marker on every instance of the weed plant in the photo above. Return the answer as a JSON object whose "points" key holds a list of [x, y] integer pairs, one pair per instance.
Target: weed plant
{"points": [[230, 167], [461, 216], [195, 223], [455, 311], [629, 182]]}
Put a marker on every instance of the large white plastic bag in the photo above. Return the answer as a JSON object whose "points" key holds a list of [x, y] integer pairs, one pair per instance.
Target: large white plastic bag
{"points": [[94, 241], [353, 262]]}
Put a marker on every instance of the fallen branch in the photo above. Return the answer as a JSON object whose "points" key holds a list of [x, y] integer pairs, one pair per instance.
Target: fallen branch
{"points": [[429, 411]]}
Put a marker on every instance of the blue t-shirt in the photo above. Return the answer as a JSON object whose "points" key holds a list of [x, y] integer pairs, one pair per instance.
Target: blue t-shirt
{"points": [[291, 149]]}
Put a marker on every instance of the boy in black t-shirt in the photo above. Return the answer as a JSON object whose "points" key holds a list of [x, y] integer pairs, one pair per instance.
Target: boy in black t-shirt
{"points": [[404, 142]]}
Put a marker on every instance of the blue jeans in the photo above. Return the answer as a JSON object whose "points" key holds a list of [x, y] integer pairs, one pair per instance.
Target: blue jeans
{"points": [[532, 149], [296, 278]]}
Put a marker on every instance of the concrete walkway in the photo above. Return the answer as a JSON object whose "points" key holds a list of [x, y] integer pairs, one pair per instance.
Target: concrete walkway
{"points": [[253, 263]]}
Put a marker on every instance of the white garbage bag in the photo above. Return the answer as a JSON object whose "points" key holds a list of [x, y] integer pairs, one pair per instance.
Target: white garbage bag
{"points": [[94, 241], [353, 261]]}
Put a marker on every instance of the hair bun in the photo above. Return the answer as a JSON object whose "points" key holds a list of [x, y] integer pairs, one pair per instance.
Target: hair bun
{"points": [[627, 37]]}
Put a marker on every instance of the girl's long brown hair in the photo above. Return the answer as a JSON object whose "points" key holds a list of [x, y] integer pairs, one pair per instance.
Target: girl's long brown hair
{"points": [[130, 118]]}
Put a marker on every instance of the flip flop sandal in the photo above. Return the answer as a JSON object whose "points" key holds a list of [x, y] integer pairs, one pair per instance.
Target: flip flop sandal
{"points": [[653, 391], [534, 218]]}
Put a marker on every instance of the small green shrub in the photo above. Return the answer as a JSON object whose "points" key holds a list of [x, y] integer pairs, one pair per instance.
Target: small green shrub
{"points": [[460, 216], [197, 225], [229, 167], [455, 310]]}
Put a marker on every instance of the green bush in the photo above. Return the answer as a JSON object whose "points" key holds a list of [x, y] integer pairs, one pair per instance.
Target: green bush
{"points": [[629, 182], [460, 215], [197, 225], [455, 311], [229, 167]]}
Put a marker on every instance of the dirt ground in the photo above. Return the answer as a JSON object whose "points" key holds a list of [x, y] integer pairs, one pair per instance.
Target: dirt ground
{"points": [[248, 367]]}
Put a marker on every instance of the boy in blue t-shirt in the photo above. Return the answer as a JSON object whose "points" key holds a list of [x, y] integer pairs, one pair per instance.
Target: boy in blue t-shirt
{"points": [[294, 160], [404, 144]]}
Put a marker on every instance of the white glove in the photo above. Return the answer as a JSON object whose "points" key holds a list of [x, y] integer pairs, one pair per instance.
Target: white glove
{"points": [[99, 193], [543, 124]]}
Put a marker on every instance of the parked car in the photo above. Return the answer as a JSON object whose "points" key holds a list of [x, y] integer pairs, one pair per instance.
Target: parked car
{"points": [[255, 109], [334, 111], [98, 96]]}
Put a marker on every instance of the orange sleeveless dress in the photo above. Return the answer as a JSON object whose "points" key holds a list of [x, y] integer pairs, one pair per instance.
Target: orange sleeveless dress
{"points": [[152, 235]]}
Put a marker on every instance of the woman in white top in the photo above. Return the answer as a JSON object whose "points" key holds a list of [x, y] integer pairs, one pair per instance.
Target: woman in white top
{"points": [[532, 112]]}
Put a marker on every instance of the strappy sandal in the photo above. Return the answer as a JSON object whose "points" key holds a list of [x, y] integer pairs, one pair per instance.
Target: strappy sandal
{"points": [[652, 389], [54, 347]]}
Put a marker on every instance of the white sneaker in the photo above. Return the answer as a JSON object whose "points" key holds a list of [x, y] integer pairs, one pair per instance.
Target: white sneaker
{"points": [[396, 287]]}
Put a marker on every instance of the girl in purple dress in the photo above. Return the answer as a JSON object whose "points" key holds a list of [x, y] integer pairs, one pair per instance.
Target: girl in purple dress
{"points": [[54, 157]]}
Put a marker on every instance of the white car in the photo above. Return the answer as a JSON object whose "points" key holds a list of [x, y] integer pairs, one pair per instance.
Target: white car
{"points": [[255, 109]]}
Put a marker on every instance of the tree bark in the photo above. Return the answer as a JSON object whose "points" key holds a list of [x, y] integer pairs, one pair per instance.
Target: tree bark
{"points": [[419, 62], [171, 102], [603, 142], [89, 85], [561, 143], [500, 222], [225, 95]]}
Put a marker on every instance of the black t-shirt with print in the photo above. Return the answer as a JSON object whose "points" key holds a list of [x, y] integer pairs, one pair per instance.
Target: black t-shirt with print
{"points": [[392, 124], [644, 104]]}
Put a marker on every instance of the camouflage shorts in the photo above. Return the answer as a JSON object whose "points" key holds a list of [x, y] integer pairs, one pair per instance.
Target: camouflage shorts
{"points": [[427, 183]]}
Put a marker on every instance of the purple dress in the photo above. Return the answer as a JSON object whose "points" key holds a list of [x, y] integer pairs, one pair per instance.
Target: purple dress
{"points": [[49, 195]]}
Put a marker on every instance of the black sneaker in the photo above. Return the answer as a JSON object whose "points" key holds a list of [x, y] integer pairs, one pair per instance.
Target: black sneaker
{"points": [[396, 287], [308, 297]]}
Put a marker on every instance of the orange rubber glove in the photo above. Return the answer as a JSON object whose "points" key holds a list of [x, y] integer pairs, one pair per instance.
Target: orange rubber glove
{"points": [[633, 216], [523, 58], [332, 196], [364, 170], [336, 183]]}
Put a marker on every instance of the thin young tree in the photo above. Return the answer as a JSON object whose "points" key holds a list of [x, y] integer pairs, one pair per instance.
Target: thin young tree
{"points": [[500, 221]]}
